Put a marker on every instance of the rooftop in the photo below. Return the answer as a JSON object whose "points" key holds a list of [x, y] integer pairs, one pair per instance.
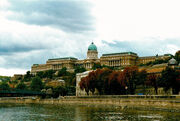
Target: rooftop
{"points": [[123, 53], [65, 58], [156, 56]]}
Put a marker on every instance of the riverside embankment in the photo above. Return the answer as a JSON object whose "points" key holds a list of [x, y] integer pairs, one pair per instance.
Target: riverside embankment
{"points": [[154, 101]]}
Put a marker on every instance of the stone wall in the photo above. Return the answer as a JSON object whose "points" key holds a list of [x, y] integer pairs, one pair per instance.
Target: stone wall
{"points": [[153, 101], [80, 92]]}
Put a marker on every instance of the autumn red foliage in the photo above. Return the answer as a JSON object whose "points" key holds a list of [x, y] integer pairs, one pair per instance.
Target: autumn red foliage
{"points": [[108, 81], [152, 81]]}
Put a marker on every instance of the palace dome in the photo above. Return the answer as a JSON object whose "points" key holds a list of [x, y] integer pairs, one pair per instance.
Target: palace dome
{"points": [[172, 61], [92, 47]]}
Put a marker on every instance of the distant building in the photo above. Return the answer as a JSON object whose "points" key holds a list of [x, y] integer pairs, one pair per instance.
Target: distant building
{"points": [[117, 60], [146, 59], [17, 77]]}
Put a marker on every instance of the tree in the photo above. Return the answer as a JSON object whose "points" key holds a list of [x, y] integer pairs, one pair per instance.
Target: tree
{"points": [[70, 90], [79, 69], [70, 79], [123, 83], [96, 66], [177, 88], [27, 77], [84, 84], [152, 81], [108, 81], [40, 74], [92, 81], [102, 77], [48, 74], [142, 77], [114, 84], [170, 79], [28, 74], [131, 78], [96, 80], [62, 72], [21, 86], [177, 56], [36, 84], [4, 86]]}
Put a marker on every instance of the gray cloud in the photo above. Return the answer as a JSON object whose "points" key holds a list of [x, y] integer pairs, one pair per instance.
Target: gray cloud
{"points": [[68, 15], [26, 59], [59, 27], [22, 52], [10, 44]]}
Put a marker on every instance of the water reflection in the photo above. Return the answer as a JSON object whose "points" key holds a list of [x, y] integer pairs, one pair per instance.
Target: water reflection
{"points": [[11, 112]]}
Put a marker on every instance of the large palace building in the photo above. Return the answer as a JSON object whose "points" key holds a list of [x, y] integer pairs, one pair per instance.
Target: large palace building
{"points": [[117, 60]]}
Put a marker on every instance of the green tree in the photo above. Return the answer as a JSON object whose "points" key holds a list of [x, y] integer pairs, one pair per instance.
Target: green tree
{"points": [[70, 90], [21, 86], [4, 86], [177, 56], [36, 84], [96, 66], [62, 72], [27, 77], [79, 69], [28, 74], [59, 91], [48, 74], [142, 77], [169, 79], [40, 74]]}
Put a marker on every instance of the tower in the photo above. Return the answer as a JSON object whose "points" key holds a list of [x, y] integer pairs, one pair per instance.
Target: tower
{"points": [[92, 52]]}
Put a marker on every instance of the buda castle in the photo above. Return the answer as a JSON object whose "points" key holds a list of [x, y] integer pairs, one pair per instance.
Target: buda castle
{"points": [[117, 60]]}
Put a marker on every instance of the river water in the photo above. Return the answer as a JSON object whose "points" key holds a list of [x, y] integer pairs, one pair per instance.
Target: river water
{"points": [[35, 112]]}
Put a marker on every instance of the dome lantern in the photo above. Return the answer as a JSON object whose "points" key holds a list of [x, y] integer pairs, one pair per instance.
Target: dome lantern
{"points": [[92, 47]]}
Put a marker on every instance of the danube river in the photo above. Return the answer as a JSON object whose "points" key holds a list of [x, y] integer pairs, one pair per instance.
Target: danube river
{"points": [[35, 112]]}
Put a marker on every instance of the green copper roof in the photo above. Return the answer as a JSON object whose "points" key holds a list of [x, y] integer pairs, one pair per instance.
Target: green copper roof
{"points": [[129, 53], [65, 58], [92, 47]]}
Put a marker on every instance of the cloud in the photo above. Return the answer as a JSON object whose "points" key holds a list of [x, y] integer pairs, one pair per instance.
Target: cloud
{"points": [[10, 72], [70, 16], [22, 45], [148, 47], [32, 31], [136, 20], [18, 37]]}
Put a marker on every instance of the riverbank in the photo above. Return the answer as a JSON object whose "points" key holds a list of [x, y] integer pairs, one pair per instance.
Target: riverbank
{"points": [[164, 102]]}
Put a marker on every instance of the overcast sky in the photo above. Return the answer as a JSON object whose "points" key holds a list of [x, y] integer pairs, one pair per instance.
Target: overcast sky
{"points": [[32, 31]]}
